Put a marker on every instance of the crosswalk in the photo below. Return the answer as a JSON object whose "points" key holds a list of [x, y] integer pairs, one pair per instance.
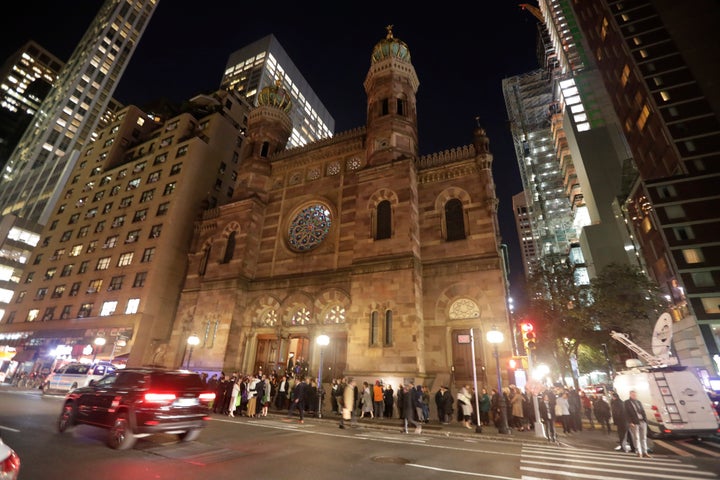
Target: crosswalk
{"points": [[554, 463], [689, 447]]}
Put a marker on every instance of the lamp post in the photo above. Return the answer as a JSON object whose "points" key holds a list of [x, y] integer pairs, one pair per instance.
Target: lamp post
{"points": [[322, 341], [99, 342], [496, 337], [191, 341]]}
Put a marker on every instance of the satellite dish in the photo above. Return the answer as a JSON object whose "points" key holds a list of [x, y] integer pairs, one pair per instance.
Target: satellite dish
{"points": [[662, 335]]}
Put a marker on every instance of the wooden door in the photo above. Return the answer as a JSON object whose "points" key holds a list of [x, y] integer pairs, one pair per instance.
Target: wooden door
{"points": [[462, 357]]}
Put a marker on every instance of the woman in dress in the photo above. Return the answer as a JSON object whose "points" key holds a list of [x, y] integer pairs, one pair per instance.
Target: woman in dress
{"points": [[465, 400]]}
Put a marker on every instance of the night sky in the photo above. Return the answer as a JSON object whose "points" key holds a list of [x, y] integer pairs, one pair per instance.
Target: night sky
{"points": [[460, 50]]}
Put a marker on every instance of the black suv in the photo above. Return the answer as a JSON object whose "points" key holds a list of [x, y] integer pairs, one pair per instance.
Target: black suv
{"points": [[136, 402]]}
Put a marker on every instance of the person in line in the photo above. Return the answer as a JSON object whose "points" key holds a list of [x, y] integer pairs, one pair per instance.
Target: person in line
{"points": [[562, 410], [267, 392], [602, 413], [547, 416], [298, 399], [465, 402], [637, 422], [617, 408], [410, 408], [378, 399], [484, 407], [425, 398], [334, 395], [516, 407], [367, 401], [444, 404], [253, 382], [234, 396], [587, 407], [282, 393], [389, 399], [400, 400]]}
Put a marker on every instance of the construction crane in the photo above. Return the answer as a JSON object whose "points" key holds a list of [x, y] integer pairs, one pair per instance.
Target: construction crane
{"points": [[534, 10]]}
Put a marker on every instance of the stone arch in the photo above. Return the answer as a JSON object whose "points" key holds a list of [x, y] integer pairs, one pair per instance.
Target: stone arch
{"points": [[381, 209], [205, 251], [298, 309], [229, 235], [459, 292], [461, 228], [264, 311], [332, 305]]}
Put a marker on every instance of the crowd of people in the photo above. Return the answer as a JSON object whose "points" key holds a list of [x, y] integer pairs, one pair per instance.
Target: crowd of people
{"points": [[563, 408]]}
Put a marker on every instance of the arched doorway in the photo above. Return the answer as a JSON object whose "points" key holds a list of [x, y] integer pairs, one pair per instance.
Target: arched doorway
{"points": [[462, 366]]}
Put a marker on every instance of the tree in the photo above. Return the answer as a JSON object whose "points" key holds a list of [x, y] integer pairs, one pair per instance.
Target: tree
{"points": [[568, 315], [560, 310]]}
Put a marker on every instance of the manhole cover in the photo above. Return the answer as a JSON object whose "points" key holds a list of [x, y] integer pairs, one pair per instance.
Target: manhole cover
{"points": [[397, 460]]}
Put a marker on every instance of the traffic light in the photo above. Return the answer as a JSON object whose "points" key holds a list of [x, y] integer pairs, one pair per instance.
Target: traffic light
{"points": [[512, 364], [528, 335]]}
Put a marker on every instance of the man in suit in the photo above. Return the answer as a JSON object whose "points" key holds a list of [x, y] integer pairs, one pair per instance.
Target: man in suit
{"points": [[298, 399], [638, 424]]}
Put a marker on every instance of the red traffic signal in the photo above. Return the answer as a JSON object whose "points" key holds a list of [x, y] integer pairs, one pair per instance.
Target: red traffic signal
{"points": [[528, 335], [526, 327]]}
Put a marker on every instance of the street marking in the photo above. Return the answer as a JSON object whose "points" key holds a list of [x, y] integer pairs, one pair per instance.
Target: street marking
{"points": [[674, 449], [9, 429], [460, 472], [645, 465], [698, 448], [573, 474]]}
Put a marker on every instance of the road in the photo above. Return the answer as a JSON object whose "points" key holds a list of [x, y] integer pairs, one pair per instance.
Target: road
{"points": [[272, 448]]}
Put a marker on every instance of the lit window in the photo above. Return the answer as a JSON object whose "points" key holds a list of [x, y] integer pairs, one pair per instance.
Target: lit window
{"points": [[642, 119], [132, 306], [693, 255], [108, 308], [125, 259], [711, 304]]}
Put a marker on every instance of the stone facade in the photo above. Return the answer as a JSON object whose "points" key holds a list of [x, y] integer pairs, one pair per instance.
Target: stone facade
{"points": [[392, 255]]}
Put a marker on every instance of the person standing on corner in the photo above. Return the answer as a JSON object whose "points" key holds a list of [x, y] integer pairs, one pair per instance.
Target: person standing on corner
{"points": [[619, 417], [547, 416], [638, 424]]}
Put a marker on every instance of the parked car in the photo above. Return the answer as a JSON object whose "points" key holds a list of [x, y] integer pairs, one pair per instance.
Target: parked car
{"points": [[9, 462], [75, 375], [137, 402]]}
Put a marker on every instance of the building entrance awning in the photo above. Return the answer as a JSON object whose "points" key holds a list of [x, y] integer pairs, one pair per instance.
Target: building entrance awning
{"points": [[25, 356]]}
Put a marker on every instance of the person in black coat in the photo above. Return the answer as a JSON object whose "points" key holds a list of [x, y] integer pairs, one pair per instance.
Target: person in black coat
{"points": [[409, 406], [299, 394], [617, 408], [637, 424], [388, 398], [444, 403], [547, 415]]}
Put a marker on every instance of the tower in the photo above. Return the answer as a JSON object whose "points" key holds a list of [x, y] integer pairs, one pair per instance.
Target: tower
{"points": [[391, 85], [45, 155]]}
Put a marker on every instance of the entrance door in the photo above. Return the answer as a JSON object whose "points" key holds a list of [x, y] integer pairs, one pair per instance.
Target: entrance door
{"points": [[462, 358], [335, 357], [298, 355], [267, 354]]}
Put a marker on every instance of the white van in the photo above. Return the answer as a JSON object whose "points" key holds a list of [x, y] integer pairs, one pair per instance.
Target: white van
{"points": [[75, 375], [675, 401]]}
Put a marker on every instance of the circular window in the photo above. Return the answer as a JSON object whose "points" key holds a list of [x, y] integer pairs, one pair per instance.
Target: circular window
{"points": [[309, 227]]}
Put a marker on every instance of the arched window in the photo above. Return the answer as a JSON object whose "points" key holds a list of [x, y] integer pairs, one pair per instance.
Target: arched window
{"points": [[454, 221], [374, 328], [265, 149], [383, 220], [229, 248], [387, 333], [204, 261]]}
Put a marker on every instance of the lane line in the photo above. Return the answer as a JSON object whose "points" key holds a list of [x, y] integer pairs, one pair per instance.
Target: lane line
{"points": [[9, 429], [673, 448], [460, 472]]}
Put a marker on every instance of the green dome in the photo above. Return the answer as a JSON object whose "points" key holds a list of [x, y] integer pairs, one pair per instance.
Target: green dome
{"points": [[275, 96], [390, 47]]}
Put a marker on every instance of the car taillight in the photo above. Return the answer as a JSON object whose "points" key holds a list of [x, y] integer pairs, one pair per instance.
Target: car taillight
{"points": [[207, 397], [160, 397], [10, 467]]}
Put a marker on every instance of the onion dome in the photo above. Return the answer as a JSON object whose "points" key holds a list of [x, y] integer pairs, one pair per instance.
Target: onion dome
{"points": [[275, 96], [390, 47]]}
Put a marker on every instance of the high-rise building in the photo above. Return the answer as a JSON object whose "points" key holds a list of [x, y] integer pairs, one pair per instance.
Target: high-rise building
{"points": [[659, 62], [26, 77], [265, 62], [523, 224], [528, 99], [45, 155], [111, 260]]}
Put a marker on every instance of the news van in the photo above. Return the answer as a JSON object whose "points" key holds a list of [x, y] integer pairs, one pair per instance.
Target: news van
{"points": [[676, 403]]}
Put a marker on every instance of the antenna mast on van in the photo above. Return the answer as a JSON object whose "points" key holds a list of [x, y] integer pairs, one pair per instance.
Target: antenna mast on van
{"points": [[662, 335]]}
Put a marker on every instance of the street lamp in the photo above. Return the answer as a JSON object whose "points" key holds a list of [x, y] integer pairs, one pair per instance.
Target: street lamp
{"points": [[322, 341], [99, 342], [191, 341], [495, 337]]}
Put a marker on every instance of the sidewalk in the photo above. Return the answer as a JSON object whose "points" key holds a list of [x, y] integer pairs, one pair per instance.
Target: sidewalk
{"points": [[587, 438]]}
